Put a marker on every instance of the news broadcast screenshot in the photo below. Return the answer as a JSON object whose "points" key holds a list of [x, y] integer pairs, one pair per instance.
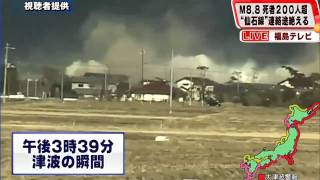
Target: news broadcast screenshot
{"points": [[160, 89]]}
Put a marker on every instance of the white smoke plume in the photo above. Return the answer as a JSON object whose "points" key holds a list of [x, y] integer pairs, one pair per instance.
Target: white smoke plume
{"points": [[117, 44], [186, 66], [78, 68]]}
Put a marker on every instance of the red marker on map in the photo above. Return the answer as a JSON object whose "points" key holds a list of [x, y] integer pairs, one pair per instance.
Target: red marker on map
{"points": [[261, 177]]}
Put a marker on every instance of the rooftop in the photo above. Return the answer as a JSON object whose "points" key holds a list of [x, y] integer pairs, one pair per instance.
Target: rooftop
{"points": [[199, 81]]}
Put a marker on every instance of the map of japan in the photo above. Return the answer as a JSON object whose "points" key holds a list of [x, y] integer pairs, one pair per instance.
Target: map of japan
{"points": [[286, 146]]}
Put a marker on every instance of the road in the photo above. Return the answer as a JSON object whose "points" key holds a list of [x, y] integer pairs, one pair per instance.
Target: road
{"points": [[201, 145]]}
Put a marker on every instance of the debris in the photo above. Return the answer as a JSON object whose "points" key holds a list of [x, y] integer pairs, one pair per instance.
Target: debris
{"points": [[161, 138]]}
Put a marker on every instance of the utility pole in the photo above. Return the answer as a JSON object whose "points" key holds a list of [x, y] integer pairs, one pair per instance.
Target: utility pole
{"points": [[254, 75], [142, 65], [190, 90], [105, 84], [238, 77], [105, 80], [204, 70], [35, 87], [61, 93], [5, 71], [28, 86], [171, 81]]}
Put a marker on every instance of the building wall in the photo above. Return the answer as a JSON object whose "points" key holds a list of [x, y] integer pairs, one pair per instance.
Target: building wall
{"points": [[185, 84], [196, 89], [80, 86], [155, 97], [151, 97], [209, 89]]}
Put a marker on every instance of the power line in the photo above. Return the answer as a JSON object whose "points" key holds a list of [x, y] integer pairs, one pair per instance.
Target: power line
{"points": [[5, 70]]}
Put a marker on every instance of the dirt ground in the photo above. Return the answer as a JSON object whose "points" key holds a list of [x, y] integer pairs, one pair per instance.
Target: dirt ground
{"points": [[205, 143]]}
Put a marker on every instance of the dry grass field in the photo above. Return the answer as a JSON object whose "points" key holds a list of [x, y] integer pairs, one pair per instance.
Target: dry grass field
{"points": [[205, 143]]}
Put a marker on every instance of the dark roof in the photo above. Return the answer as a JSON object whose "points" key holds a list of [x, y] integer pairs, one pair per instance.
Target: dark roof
{"points": [[117, 78], [90, 74], [199, 80], [157, 88], [97, 78], [254, 85], [299, 81], [86, 79], [153, 81]]}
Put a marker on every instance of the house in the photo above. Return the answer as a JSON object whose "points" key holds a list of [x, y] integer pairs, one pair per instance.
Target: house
{"points": [[111, 78], [149, 81], [87, 86], [302, 83], [157, 91], [194, 85], [94, 84]]}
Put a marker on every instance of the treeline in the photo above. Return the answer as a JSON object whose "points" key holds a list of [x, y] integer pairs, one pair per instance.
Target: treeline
{"points": [[280, 97]]}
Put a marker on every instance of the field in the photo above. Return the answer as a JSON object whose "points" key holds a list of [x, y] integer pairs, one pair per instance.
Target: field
{"points": [[205, 143]]}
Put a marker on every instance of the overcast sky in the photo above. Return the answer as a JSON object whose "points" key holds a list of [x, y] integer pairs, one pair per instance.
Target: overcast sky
{"points": [[112, 32]]}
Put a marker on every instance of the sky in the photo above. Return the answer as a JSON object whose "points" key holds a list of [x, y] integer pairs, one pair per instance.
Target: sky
{"points": [[110, 33]]}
